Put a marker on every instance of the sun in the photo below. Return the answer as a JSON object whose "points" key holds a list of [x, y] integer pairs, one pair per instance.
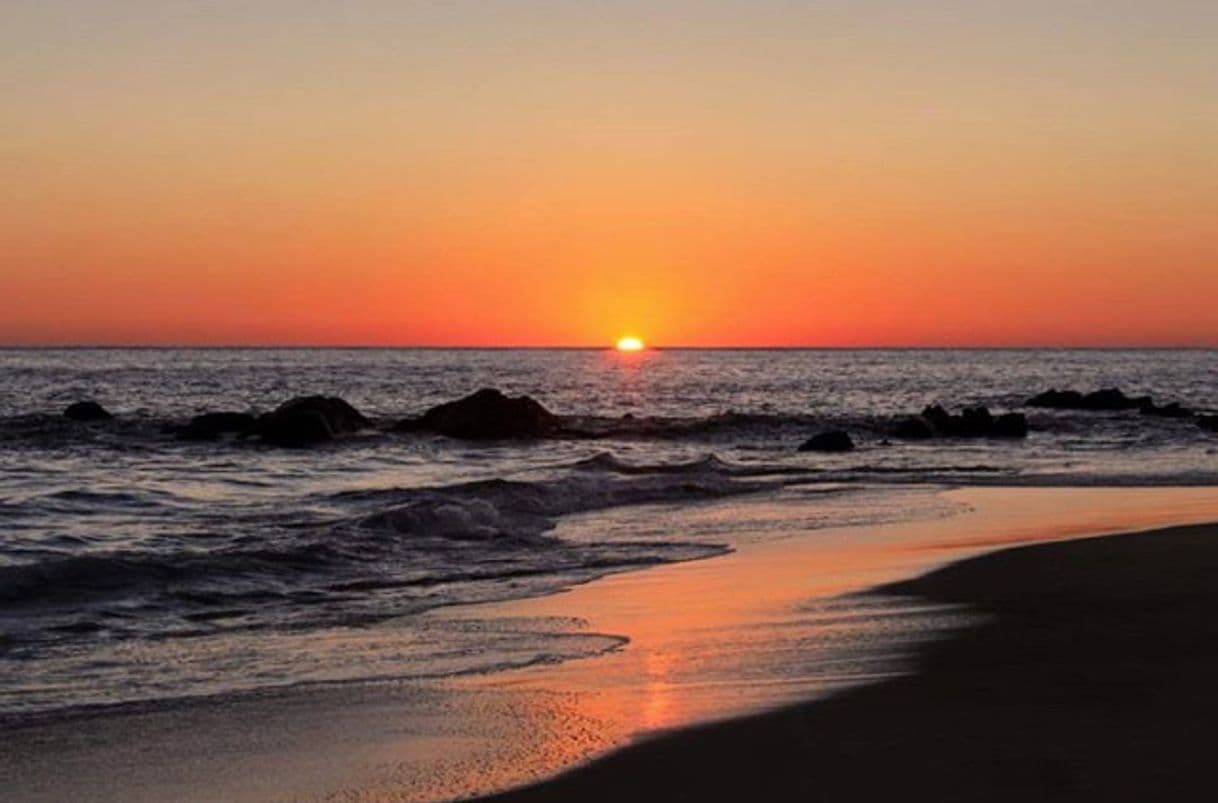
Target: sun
{"points": [[630, 343]]}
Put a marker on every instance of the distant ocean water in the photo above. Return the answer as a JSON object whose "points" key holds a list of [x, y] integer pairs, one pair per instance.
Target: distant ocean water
{"points": [[135, 566]]}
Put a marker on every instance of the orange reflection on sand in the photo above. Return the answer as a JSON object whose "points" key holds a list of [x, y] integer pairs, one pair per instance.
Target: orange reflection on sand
{"points": [[766, 625], [658, 702]]}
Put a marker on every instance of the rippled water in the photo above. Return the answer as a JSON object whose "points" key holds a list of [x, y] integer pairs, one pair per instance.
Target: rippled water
{"points": [[135, 566]]}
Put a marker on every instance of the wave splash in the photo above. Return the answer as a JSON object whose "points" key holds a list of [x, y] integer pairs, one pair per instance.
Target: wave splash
{"points": [[397, 551]]}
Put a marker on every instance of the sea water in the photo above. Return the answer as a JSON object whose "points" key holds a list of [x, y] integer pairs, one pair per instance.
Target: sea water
{"points": [[136, 567]]}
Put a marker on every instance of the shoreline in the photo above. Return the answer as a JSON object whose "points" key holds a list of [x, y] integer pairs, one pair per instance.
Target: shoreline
{"points": [[406, 740], [1088, 677]]}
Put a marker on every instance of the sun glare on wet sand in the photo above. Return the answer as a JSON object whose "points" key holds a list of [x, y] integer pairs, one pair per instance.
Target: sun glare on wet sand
{"points": [[629, 344]]}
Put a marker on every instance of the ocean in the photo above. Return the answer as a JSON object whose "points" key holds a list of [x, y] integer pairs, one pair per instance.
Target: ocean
{"points": [[138, 568]]}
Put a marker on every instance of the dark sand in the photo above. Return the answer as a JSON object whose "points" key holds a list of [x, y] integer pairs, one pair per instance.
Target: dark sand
{"points": [[1092, 678]]}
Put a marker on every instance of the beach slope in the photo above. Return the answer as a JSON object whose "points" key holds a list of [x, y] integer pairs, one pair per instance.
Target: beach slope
{"points": [[1090, 677]]}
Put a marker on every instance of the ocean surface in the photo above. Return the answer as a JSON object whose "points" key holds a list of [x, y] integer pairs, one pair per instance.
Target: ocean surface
{"points": [[136, 567]]}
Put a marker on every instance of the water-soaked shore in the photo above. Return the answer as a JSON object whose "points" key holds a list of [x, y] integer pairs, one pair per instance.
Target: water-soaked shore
{"points": [[763, 627]]}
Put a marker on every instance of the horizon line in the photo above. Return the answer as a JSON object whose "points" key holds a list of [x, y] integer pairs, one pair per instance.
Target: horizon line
{"points": [[604, 347]]}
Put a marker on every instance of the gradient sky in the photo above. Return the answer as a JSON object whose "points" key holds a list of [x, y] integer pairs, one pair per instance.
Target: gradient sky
{"points": [[699, 173]]}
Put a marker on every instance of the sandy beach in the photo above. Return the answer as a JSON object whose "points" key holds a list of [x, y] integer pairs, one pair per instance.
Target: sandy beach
{"points": [[1090, 678], [1077, 639]]}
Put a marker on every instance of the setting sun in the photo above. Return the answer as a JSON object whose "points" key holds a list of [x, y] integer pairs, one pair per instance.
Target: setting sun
{"points": [[630, 344]]}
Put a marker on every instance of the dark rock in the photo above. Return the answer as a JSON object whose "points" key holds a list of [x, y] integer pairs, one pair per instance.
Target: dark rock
{"points": [[485, 415], [914, 429], [1208, 422], [310, 420], [1112, 399], [1108, 399], [940, 419], [1173, 410], [975, 422], [1099, 400], [1010, 425], [972, 422], [832, 441], [1057, 399], [210, 426], [87, 411]]}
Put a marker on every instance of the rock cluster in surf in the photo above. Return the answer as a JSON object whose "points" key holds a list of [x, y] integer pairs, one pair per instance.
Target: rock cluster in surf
{"points": [[310, 420], [972, 422], [1106, 400], [488, 414], [299, 422]]}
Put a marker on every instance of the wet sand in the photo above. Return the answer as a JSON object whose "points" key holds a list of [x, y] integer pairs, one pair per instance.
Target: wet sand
{"points": [[763, 628], [1090, 677]]}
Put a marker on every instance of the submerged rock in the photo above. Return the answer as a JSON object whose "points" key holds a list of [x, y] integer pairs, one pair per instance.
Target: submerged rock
{"points": [[1010, 425], [972, 422], [309, 420], [1107, 399], [1098, 400], [87, 411], [832, 441], [941, 420], [1173, 410], [1057, 399], [914, 429], [1113, 399], [485, 415], [210, 426]]}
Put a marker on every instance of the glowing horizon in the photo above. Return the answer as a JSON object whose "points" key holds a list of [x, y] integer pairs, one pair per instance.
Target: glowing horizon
{"points": [[540, 174]]}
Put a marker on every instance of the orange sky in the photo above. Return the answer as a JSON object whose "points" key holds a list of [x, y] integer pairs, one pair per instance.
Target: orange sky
{"points": [[536, 173]]}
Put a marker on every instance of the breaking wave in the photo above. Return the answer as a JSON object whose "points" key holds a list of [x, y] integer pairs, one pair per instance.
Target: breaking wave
{"points": [[388, 557]]}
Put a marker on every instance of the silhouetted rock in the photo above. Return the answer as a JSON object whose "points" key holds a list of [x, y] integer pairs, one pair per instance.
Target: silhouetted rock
{"points": [[1108, 399], [209, 426], [940, 419], [913, 429], [1112, 399], [832, 441], [1010, 425], [975, 422], [87, 411], [1099, 400], [1057, 399], [1208, 422], [1173, 410], [972, 422], [485, 415], [310, 420]]}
